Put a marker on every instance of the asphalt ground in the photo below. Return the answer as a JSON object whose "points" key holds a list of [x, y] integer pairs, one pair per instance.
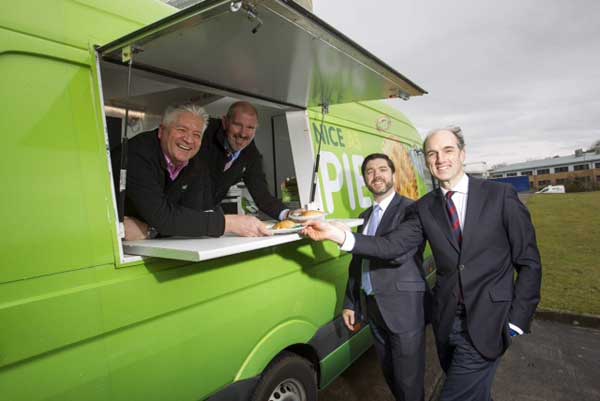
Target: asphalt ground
{"points": [[556, 362], [364, 381]]}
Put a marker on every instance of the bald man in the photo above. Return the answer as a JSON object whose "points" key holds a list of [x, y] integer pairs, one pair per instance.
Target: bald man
{"points": [[229, 147]]}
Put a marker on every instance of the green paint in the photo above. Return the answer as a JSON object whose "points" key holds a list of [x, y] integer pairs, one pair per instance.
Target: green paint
{"points": [[77, 327], [340, 359]]}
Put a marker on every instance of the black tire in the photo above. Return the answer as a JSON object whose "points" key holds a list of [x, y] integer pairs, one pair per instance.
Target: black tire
{"points": [[288, 378]]}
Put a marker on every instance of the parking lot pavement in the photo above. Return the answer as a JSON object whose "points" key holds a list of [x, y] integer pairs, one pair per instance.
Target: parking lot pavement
{"points": [[363, 381], [556, 362]]}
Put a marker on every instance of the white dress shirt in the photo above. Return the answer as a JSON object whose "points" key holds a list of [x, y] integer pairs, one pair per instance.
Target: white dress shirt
{"points": [[383, 205], [461, 193], [349, 241]]}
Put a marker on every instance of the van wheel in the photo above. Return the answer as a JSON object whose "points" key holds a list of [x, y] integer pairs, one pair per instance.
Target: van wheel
{"points": [[288, 378]]}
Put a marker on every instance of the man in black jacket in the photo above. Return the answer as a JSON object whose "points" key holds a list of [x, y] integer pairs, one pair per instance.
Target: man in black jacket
{"points": [[229, 148], [168, 187], [480, 235], [394, 295]]}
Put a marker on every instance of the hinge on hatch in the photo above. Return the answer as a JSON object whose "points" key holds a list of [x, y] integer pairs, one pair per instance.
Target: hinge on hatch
{"points": [[128, 51], [251, 12]]}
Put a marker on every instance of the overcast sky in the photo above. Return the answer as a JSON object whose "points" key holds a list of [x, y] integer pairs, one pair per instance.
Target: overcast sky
{"points": [[521, 77]]}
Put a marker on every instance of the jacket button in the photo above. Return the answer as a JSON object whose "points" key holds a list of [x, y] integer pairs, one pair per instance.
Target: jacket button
{"points": [[461, 267]]}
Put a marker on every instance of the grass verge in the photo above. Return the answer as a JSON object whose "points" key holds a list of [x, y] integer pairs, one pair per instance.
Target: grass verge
{"points": [[568, 233]]}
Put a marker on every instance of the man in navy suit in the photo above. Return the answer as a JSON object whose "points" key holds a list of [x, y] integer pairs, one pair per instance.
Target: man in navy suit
{"points": [[393, 293], [480, 235]]}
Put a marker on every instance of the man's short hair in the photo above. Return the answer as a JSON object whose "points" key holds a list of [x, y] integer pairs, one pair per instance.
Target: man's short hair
{"points": [[455, 129], [171, 113], [241, 106], [374, 156]]}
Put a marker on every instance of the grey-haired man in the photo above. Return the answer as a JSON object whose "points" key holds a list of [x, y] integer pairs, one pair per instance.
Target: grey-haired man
{"points": [[169, 191]]}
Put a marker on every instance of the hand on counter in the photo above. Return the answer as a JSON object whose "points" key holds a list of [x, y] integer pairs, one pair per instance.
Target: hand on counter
{"points": [[245, 226], [134, 229]]}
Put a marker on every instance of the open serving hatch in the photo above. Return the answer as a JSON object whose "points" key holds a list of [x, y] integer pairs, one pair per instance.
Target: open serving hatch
{"points": [[271, 52]]}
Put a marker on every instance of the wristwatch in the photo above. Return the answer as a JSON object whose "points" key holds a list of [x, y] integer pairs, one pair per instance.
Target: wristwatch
{"points": [[151, 233]]}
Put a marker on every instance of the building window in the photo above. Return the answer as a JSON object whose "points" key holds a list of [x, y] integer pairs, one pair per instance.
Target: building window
{"points": [[541, 171], [561, 169], [597, 165], [543, 183], [561, 181], [529, 172], [511, 174], [497, 175], [598, 178], [579, 167]]}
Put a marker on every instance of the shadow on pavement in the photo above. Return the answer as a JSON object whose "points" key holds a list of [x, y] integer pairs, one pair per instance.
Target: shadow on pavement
{"points": [[556, 362], [363, 381]]}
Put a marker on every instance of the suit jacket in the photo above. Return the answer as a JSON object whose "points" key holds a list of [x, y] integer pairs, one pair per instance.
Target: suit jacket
{"points": [[183, 207], [398, 286], [498, 239], [247, 168]]}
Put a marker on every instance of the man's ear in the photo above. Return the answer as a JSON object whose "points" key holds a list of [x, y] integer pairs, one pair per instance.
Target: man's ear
{"points": [[224, 122], [160, 130]]}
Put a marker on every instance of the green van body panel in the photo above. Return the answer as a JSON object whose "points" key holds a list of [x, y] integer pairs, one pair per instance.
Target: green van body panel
{"points": [[339, 360], [76, 327]]}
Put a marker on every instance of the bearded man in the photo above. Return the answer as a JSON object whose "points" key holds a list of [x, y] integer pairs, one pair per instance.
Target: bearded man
{"points": [[389, 295]]}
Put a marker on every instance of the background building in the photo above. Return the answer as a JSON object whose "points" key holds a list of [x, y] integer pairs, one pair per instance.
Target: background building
{"points": [[581, 171]]}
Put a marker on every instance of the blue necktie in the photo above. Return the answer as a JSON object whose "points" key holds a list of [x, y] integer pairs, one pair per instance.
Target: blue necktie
{"points": [[228, 159], [371, 230]]}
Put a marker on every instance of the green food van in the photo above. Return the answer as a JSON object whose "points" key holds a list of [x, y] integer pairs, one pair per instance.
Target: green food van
{"points": [[86, 315]]}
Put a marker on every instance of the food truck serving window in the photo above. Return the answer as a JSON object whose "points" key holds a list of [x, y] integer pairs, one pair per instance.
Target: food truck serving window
{"points": [[274, 53]]}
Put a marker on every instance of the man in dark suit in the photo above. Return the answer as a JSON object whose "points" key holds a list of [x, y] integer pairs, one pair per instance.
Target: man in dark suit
{"points": [[232, 155], [393, 293], [480, 235], [168, 188]]}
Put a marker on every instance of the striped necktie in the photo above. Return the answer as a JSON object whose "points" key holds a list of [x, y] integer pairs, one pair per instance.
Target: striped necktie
{"points": [[457, 234], [453, 215]]}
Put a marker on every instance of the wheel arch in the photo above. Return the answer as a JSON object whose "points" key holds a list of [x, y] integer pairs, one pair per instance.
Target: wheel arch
{"points": [[292, 336]]}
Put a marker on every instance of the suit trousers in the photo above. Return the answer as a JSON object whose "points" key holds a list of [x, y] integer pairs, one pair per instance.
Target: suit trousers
{"points": [[401, 355], [469, 376]]}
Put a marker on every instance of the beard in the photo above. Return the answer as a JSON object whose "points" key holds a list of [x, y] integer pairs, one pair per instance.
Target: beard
{"points": [[382, 190]]}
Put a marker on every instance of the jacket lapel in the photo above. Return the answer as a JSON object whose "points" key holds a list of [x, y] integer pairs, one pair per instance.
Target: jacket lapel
{"points": [[365, 216], [475, 200], [387, 219], [438, 210]]}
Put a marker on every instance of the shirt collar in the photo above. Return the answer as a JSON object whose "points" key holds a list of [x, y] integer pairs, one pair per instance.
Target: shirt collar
{"points": [[385, 202], [227, 147], [172, 168], [461, 186]]}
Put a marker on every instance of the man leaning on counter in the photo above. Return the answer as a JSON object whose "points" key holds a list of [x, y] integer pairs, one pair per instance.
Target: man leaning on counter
{"points": [[169, 189]]}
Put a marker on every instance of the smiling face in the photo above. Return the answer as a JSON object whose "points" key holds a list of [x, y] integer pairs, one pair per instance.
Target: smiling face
{"points": [[240, 129], [180, 140], [445, 159], [379, 178]]}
